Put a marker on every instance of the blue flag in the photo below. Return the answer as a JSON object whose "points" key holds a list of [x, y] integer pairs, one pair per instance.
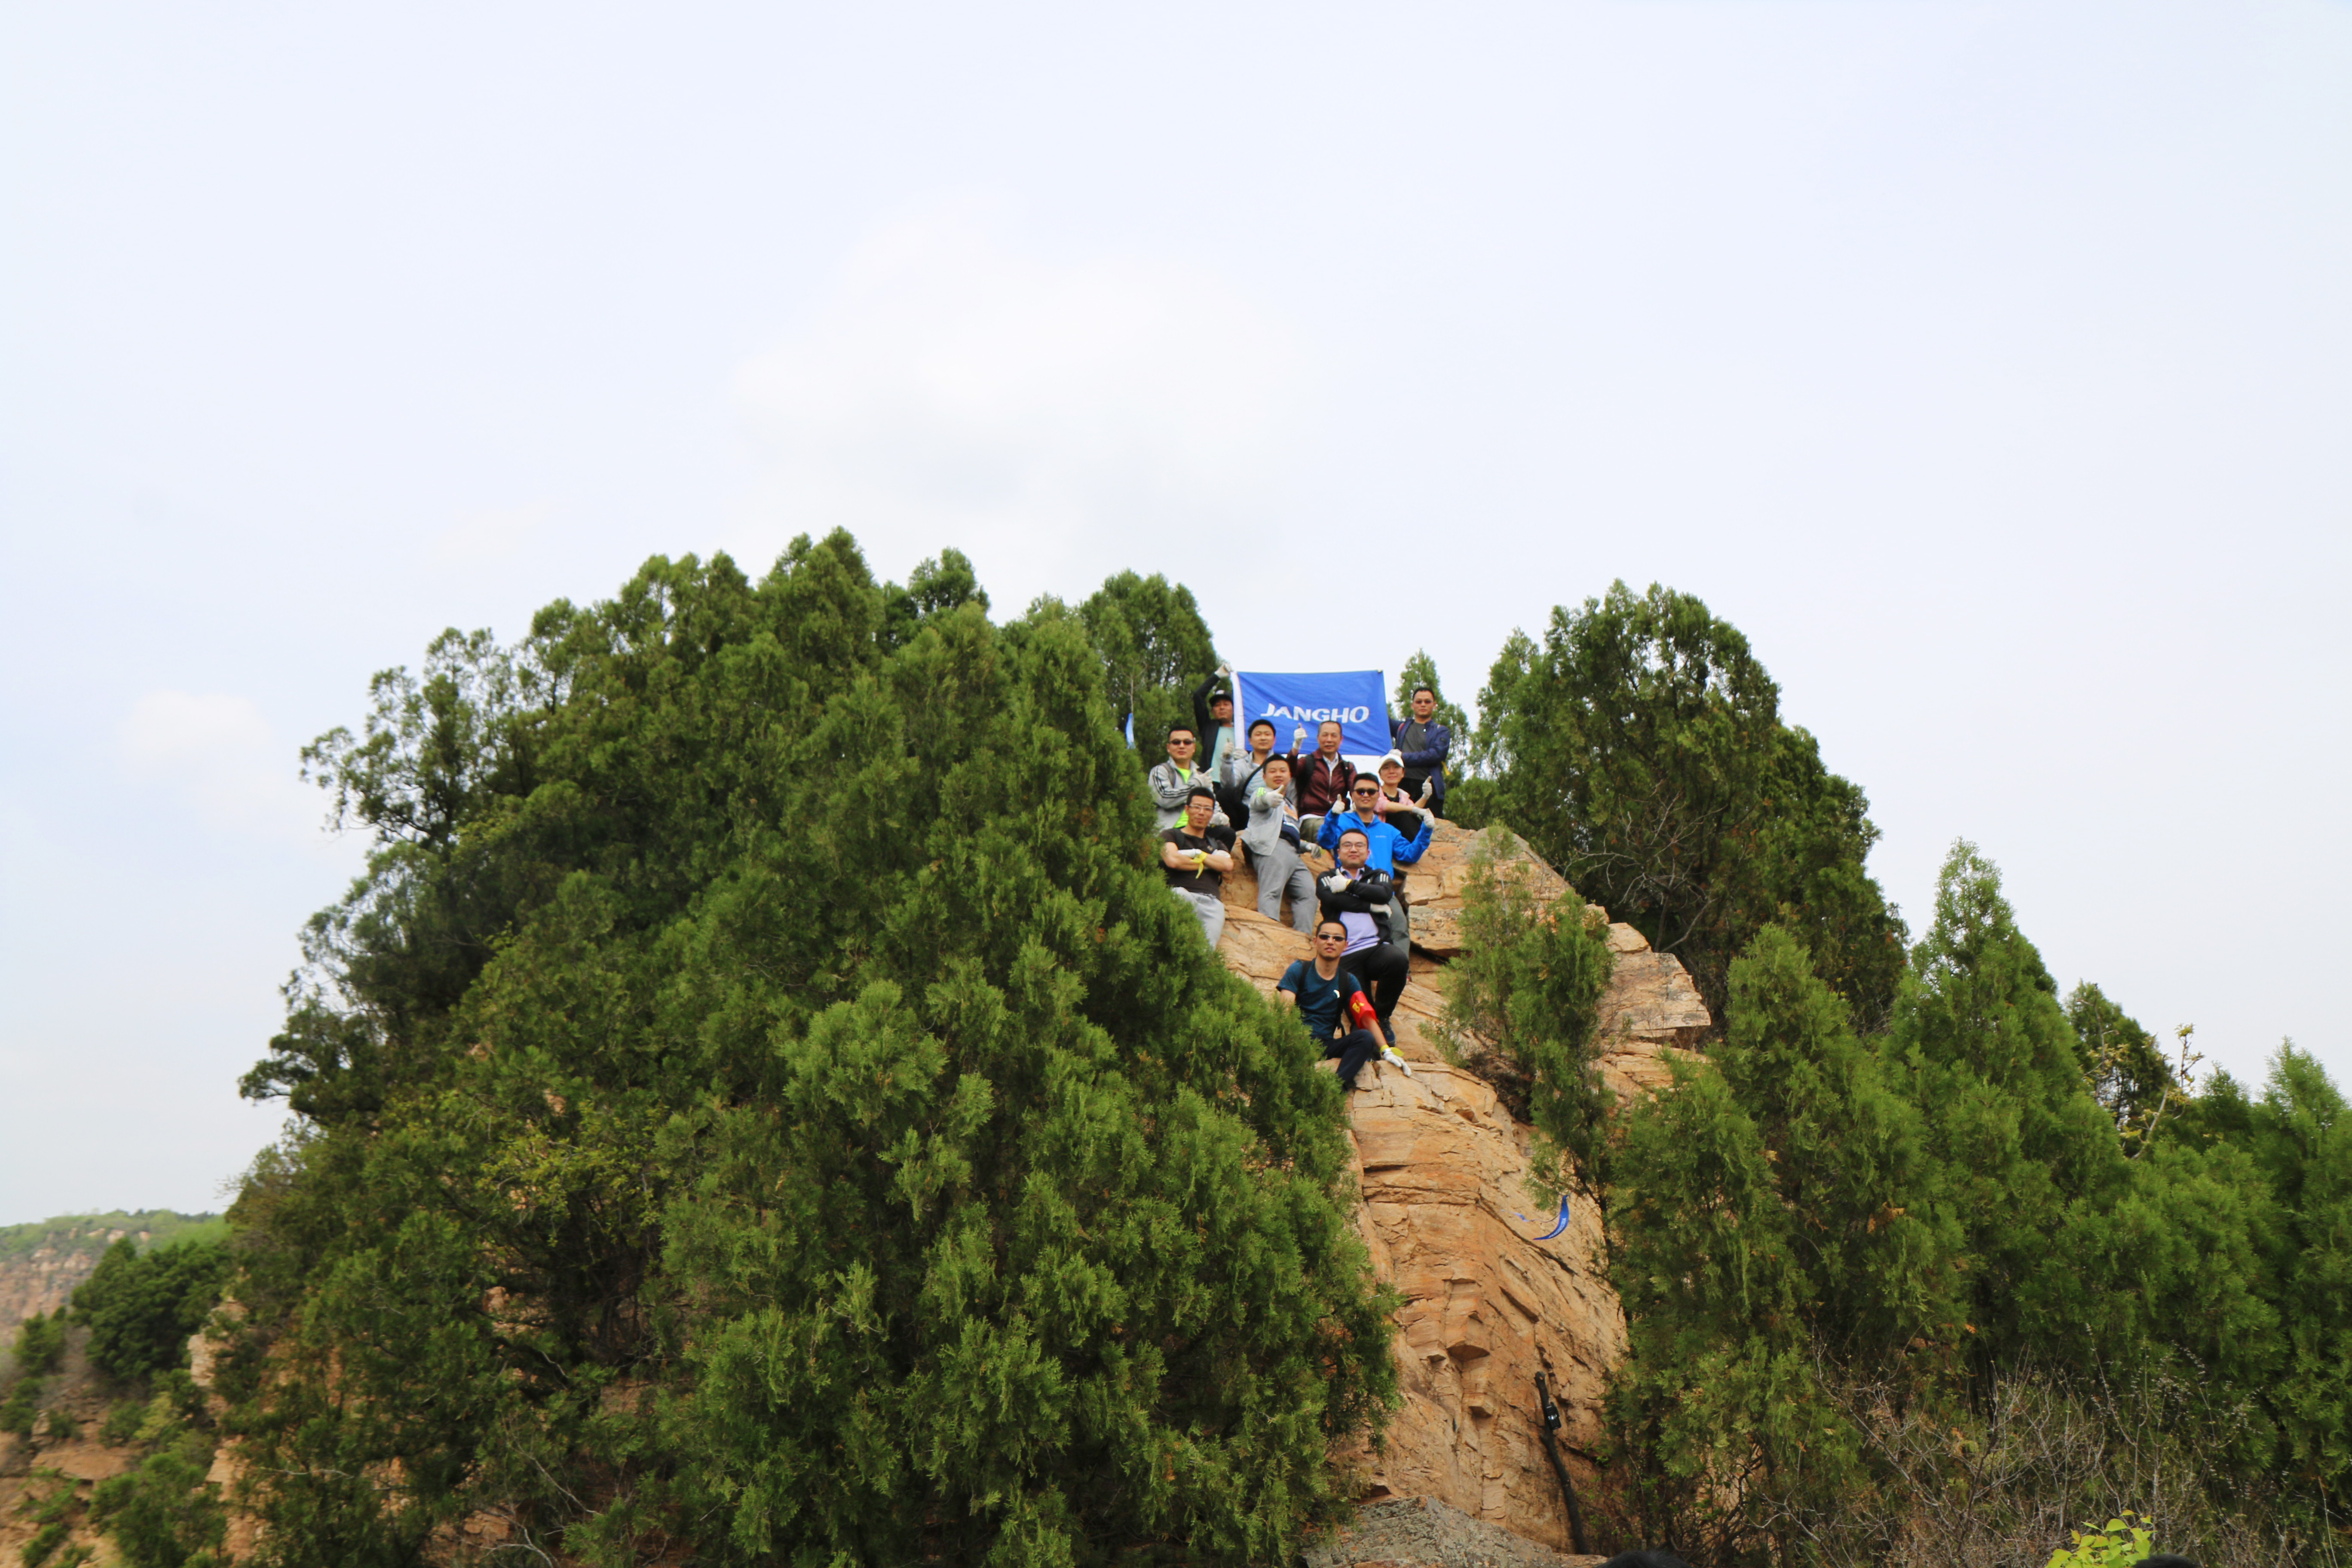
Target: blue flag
{"points": [[1356, 697]]}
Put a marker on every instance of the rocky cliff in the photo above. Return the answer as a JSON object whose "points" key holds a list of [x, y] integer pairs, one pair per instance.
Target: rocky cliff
{"points": [[1449, 1222], [42, 1262]]}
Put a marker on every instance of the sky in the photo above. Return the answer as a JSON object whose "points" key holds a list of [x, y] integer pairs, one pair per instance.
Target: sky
{"points": [[1988, 366]]}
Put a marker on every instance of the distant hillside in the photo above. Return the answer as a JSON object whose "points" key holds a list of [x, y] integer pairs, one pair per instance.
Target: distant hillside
{"points": [[41, 1262]]}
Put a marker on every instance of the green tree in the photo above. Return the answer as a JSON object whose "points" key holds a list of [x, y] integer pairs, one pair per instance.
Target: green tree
{"points": [[2129, 1074], [842, 1151], [1780, 1215], [1985, 1050], [141, 1309], [1154, 647], [40, 1344], [1639, 748], [935, 587], [164, 1514], [1521, 1000]]}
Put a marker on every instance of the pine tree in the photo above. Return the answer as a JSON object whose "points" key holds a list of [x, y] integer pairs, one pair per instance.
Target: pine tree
{"points": [[1987, 1053], [841, 1148], [1639, 748]]}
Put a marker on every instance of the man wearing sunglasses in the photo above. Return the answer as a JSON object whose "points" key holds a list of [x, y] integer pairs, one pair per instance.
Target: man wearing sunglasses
{"points": [[1386, 849], [1173, 781], [1365, 903], [1319, 990]]}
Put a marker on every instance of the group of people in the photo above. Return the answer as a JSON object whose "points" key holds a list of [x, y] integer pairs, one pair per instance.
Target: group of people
{"points": [[1374, 826]]}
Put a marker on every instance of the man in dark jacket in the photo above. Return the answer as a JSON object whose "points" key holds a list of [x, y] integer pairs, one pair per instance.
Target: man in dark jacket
{"points": [[1212, 711], [1423, 741], [1320, 780]]}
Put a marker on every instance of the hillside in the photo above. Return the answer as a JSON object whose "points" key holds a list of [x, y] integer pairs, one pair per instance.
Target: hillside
{"points": [[42, 1261], [763, 1102]]}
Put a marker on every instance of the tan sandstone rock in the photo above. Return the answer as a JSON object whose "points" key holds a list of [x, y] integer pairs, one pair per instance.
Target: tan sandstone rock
{"points": [[1486, 1306], [1446, 1217]]}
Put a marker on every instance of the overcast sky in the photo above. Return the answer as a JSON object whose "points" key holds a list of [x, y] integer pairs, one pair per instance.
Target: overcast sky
{"points": [[1990, 365]]}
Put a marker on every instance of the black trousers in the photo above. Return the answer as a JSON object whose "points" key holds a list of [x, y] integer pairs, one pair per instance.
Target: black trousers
{"points": [[1353, 1049], [1381, 970]]}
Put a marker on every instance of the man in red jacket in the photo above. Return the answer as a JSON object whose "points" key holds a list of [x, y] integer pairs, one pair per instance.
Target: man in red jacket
{"points": [[1322, 780]]}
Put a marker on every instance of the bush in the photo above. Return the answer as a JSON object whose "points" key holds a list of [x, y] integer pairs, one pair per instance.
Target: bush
{"points": [[141, 1309], [22, 1408], [161, 1514], [59, 1426], [2123, 1542], [45, 1541], [41, 1343], [122, 1423]]}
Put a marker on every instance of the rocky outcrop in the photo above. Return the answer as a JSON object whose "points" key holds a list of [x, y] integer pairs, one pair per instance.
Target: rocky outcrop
{"points": [[42, 1277], [1451, 1223], [1449, 1220]]}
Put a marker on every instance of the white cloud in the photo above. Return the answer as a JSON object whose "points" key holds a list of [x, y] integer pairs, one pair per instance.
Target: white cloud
{"points": [[218, 751], [1043, 415]]}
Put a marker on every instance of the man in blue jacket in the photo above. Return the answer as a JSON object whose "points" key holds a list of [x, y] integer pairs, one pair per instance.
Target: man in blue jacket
{"points": [[1423, 742], [1386, 847]]}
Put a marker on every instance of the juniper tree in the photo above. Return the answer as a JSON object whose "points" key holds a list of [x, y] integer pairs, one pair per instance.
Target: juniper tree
{"points": [[1639, 748], [841, 1148]]}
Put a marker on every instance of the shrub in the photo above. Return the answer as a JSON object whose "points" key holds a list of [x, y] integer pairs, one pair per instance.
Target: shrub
{"points": [[41, 1343], [122, 1423], [45, 1541], [2121, 1543], [141, 1309], [22, 1408], [161, 1514]]}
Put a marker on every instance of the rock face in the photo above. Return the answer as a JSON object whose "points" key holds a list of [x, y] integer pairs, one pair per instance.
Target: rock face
{"points": [[1449, 1222]]}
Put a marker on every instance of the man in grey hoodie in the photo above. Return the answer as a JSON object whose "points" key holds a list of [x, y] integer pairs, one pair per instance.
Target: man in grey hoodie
{"points": [[1172, 781], [1271, 840]]}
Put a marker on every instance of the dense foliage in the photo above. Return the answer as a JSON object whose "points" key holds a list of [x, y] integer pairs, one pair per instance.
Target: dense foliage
{"points": [[1520, 1005], [1639, 748], [1154, 648], [759, 1104], [1833, 1243], [142, 1307]]}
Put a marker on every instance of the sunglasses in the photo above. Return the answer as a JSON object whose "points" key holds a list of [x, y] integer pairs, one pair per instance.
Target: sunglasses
{"points": [[1368, 793], [1332, 936]]}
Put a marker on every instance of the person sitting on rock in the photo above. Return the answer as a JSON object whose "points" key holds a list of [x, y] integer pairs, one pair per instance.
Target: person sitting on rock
{"points": [[1388, 848], [1321, 781], [1400, 811], [1422, 743], [1364, 902], [1172, 782], [1320, 989], [1242, 768], [1194, 856], [1273, 842]]}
